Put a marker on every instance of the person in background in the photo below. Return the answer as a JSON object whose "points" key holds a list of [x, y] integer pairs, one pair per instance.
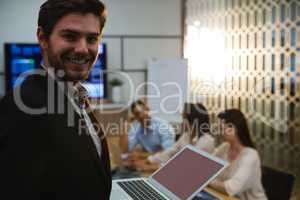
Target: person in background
{"points": [[196, 131], [243, 176], [152, 134]]}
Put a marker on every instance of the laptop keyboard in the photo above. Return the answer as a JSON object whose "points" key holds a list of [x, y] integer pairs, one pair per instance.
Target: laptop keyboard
{"points": [[140, 190]]}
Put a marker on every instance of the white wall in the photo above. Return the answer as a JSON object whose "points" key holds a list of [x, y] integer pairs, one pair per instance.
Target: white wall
{"points": [[146, 28], [143, 17]]}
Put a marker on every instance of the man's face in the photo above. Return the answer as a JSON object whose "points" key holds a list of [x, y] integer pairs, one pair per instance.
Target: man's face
{"points": [[141, 113], [72, 46]]}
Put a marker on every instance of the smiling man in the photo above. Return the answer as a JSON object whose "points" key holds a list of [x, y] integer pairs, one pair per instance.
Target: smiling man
{"points": [[42, 156], [72, 45]]}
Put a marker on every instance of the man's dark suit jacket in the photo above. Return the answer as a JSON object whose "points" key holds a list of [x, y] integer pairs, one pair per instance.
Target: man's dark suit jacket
{"points": [[41, 157]]}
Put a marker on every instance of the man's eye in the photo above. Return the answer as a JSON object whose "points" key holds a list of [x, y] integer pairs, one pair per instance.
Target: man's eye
{"points": [[92, 40]]}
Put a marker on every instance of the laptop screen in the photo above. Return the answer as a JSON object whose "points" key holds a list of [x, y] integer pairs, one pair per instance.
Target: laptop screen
{"points": [[187, 172]]}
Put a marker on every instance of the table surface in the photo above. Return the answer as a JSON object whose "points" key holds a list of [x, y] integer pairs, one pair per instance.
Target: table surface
{"points": [[219, 194]]}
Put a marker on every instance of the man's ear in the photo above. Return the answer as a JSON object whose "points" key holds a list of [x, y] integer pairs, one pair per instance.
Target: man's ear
{"points": [[42, 39]]}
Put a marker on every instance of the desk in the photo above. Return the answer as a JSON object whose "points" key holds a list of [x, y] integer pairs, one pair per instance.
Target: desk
{"points": [[219, 194]]}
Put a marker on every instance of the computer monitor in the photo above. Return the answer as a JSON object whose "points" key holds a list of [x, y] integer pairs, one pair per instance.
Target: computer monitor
{"points": [[20, 57]]}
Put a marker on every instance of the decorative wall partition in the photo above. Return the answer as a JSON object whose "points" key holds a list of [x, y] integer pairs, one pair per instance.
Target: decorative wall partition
{"points": [[246, 54]]}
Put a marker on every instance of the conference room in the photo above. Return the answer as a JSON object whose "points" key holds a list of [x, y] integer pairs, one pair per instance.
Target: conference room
{"points": [[195, 99]]}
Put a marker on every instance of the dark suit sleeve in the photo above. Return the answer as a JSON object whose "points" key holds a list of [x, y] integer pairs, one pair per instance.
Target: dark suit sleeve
{"points": [[21, 151]]}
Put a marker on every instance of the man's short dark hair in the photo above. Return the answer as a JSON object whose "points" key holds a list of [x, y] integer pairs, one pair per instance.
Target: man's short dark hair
{"points": [[53, 10], [136, 103]]}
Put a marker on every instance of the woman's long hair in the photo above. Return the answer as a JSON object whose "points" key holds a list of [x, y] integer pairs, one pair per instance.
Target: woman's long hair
{"points": [[197, 116], [237, 118]]}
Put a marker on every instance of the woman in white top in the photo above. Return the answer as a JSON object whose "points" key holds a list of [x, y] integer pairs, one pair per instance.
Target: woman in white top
{"points": [[243, 176], [196, 132]]}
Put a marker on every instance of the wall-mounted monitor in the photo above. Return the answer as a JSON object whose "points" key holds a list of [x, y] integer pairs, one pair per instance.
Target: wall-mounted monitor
{"points": [[20, 57]]}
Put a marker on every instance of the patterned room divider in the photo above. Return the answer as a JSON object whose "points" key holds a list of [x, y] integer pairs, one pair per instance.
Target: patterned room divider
{"points": [[262, 42]]}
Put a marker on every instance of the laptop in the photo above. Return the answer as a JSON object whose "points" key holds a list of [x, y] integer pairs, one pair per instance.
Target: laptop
{"points": [[181, 178]]}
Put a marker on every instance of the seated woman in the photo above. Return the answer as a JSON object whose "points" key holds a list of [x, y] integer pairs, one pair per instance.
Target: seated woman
{"points": [[243, 176], [196, 132]]}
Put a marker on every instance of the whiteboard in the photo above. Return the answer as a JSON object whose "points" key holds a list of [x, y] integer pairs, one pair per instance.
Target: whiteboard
{"points": [[167, 86]]}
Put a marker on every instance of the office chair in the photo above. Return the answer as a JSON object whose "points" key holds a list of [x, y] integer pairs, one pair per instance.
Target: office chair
{"points": [[277, 184]]}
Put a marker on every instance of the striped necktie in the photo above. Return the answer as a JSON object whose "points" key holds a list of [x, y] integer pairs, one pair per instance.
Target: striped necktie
{"points": [[84, 103]]}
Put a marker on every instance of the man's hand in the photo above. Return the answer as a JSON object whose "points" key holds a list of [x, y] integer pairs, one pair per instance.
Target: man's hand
{"points": [[145, 166], [138, 155], [131, 118], [133, 157]]}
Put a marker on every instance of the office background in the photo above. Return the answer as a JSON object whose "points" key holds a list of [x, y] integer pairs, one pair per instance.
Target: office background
{"points": [[136, 30]]}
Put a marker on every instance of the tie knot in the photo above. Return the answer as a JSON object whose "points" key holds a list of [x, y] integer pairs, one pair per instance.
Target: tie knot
{"points": [[81, 94]]}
